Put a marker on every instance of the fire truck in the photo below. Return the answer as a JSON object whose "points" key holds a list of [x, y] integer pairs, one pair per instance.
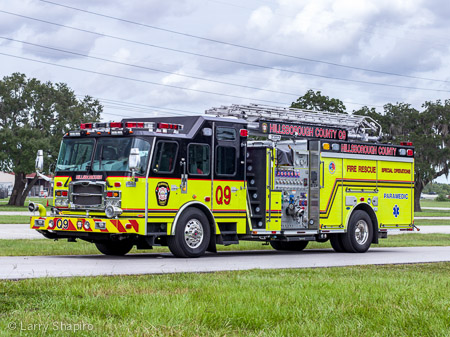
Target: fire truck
{"points": [[281, 176]]}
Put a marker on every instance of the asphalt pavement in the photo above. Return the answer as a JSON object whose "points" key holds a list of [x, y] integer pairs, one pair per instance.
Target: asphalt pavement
{"points": [[18, 231], [21, 267]]}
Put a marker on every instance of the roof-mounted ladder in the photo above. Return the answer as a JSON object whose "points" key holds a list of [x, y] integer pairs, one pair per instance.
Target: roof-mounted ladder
{"points": [[358, 127]]}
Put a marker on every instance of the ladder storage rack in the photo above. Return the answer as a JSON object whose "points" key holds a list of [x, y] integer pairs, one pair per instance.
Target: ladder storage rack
{"points": [[358, 127]]}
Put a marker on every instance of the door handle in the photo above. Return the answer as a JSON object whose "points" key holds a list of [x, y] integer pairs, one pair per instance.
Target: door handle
{"points": [[183, 177]]}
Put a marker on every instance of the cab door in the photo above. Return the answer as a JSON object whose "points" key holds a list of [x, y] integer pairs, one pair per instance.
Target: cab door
{"points": [[164, 183], [228, 186]]}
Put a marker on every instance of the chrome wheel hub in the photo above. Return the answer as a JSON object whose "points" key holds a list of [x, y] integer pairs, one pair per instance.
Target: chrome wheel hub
{"points": [[193, 233], [361, 232]]}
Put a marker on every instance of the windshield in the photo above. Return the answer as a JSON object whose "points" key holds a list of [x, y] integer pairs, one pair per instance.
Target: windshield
{"points": [[111, 154], [75, 154]]}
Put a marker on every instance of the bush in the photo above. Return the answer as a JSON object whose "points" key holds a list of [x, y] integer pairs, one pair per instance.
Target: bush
{"points": [[442, 197]]}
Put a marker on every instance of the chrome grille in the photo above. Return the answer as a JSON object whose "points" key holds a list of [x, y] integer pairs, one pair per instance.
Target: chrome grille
{"points": [[87, 194]]}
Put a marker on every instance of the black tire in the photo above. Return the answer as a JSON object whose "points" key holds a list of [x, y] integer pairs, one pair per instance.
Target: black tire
{"points": [[185, 242], [336, 243], [114, 248], [295, 246], [359, 233]]}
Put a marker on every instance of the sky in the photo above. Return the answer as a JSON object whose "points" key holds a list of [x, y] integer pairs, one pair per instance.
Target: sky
{"points": [[179, 57]]}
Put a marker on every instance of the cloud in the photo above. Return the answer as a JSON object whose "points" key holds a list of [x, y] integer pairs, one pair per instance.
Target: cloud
{"points": [[398, 36]]}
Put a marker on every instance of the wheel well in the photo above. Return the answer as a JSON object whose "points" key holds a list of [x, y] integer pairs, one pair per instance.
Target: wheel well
{"points": [[209, 216], [366, 208], [202, 208]]}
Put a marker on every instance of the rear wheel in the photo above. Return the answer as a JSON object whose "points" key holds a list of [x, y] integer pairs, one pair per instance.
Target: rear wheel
{"points": [[192, 234], [336, 243], [297, 246], [115, 248], [359, 233]]}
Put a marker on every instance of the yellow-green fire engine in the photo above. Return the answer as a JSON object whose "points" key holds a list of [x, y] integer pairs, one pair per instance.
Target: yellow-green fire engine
{"points": [[191, 183]]}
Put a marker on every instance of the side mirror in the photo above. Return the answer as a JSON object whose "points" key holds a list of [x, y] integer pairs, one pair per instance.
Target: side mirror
{"points": [[39, 163], [134, 161]]}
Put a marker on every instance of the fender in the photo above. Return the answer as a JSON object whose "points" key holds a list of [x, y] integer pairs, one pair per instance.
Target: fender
{"points": [[369, 210], [196, 204]]}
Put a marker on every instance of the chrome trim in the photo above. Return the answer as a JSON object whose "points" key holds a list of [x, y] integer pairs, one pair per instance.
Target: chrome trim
{"points": [[100, 206]]}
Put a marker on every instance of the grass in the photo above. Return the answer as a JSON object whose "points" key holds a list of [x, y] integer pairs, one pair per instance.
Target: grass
{"points": [[394, 300], [432, 222], [431, 213], [6, 208], [434, 203], [62, 247], [15, 219]]}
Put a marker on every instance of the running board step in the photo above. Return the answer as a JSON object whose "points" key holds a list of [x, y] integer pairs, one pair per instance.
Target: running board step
{"points": [[227, 238]]}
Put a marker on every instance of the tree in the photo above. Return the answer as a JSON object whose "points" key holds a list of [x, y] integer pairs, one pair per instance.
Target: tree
{"points": [[429, 132], [35, 115], [318, 102]]}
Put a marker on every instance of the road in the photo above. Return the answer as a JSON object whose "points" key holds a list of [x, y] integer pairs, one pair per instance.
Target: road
{"points": [[16, 267], [18, 231]]}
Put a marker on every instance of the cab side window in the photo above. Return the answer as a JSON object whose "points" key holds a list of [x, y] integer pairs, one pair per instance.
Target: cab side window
{"points": [[165, 157], [198, 157], [224, 133]]}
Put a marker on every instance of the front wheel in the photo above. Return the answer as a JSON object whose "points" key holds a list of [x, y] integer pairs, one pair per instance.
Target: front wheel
{"points": [[296, 246], [192, 234], [359, 233], [114, 248]]}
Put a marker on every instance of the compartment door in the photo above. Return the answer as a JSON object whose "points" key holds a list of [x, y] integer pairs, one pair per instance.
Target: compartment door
{"points": [[314, 184], [331, 193]]}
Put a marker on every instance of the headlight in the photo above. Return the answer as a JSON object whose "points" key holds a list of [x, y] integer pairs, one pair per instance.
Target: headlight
{"points": [[61, 202], [39, 223], [100, 225], [112, 202]]}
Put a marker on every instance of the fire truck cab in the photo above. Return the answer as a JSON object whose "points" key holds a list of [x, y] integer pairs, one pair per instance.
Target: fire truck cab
{"points": [[191, 183]]}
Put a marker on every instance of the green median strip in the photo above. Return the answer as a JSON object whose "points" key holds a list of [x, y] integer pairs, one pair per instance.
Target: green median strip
{"points": [[14, 219], [428, 222], [432, 213], [433, 203], [62, 247], [394, 300]]}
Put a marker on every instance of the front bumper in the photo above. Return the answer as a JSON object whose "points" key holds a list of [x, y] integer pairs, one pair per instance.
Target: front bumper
{"points": [[88, 225]]}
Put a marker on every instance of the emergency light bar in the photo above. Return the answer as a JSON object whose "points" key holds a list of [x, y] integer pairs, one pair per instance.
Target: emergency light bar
{"points": [[84, 126], [166, 127], [124, 128], [115, 125], [135, 125]]}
